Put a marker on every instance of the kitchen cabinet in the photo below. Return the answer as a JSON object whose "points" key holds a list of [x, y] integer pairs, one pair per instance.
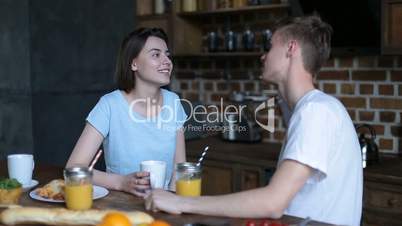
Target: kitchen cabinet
{"points": [[187, 31], [391, 34], [231, 167], [217, 178], [382, 202], [223, 177]]}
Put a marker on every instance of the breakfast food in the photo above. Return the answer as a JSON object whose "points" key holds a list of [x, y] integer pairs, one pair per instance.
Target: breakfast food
{"points": [[10, 191], [52, 190], [61, 216], [115, 219]]}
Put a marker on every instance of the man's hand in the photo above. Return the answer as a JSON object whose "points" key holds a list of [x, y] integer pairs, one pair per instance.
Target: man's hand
{"points": [[164, 201]]}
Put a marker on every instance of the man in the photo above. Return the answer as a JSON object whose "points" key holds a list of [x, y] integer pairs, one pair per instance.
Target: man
{"points": [[319, 172]]}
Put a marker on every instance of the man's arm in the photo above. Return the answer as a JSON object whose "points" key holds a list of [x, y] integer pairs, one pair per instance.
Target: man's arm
{"points": [[269, 201]]}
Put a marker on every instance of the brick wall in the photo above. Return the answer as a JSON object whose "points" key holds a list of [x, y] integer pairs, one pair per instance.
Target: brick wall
{"points": [[370, 87]]}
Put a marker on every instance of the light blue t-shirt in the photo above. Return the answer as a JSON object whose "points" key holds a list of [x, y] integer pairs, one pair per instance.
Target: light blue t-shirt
{"points": [[131, 138]]}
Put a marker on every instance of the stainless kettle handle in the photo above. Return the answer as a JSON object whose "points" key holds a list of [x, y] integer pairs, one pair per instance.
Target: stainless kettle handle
{"points": [[371, 129]]}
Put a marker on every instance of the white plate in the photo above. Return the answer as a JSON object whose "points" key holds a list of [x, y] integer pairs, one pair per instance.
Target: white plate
{"points": [[99, 192], [29, 186]]}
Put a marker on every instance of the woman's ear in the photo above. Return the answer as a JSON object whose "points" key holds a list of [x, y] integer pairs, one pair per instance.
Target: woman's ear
{"points": [[134, 66]]}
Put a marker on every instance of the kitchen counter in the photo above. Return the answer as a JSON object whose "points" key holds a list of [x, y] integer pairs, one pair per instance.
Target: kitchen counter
{"points": [[260, 154], [388, 169], [266, 154]]}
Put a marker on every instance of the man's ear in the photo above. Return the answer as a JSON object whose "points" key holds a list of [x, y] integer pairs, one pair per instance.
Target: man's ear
{"points": [[292, 46], [134, 66]]}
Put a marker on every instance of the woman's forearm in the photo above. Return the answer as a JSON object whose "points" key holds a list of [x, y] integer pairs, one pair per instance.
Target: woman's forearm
{"points": [[107, 180]]}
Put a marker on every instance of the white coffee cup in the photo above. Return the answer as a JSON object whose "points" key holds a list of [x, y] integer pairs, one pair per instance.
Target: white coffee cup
{"points": [[157, 171], [20, 167]]}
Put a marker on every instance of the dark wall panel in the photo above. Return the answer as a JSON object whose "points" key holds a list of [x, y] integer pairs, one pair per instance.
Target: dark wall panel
{"points": [[15, 125], [56, 59], [75, 42], [74, 48], [15, 81], [14, 46], [59, 120]]}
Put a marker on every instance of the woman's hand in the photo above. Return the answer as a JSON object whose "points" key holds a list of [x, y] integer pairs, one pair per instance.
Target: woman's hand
{"points": [[136, 183], [163, 200]]}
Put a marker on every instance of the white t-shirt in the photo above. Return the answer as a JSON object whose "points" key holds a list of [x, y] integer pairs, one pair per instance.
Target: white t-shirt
{"points": [[321, 135]]}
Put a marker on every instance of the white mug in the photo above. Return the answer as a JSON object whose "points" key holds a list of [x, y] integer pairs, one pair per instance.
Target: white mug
{"points": [[157, 171], [20, 167]]}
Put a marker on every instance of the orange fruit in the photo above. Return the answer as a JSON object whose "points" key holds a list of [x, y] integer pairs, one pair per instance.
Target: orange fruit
{"points": [[159, 223], [115, 219]]}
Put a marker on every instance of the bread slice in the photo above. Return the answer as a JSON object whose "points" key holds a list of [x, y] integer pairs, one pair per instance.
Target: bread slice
{"points": [[61, 216]]}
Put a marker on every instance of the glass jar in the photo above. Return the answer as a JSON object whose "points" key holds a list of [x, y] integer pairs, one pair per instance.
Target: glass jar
{"points": [[189, 5], [188, 179], [78, 188], [230, 41], [159, 6]]}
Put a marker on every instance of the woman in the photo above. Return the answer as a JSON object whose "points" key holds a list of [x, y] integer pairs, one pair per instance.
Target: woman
{"points": [[138, 121]]}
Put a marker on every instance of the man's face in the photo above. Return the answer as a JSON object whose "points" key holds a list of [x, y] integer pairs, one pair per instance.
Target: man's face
{"points": [[275, 61]]}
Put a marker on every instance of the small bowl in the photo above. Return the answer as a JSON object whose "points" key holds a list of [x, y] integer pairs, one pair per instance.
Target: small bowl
{"points": [[10, 191], [10, 196]]}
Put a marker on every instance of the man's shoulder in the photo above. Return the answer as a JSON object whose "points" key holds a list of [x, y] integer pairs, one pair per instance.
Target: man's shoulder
{"points": [[321, 97], [321, 101]]}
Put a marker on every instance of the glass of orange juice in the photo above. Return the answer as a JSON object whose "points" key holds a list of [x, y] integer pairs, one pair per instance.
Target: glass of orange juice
{"points": [[188, 179], [78, 188]]}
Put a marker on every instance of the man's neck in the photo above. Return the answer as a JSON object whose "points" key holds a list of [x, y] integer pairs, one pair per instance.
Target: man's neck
{"points": [[296, 86]]}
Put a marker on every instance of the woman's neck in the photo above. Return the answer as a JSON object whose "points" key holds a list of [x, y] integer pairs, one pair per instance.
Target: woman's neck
{"points": [[148, 100], [140, 92], [145, 90]]}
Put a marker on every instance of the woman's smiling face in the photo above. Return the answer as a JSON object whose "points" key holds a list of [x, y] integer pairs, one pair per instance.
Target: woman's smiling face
{"points": [[153, 64]]}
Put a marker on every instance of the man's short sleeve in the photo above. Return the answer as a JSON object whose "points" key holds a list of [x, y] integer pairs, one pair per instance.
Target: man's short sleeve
{"points": [[99, 117], [310, 138]]}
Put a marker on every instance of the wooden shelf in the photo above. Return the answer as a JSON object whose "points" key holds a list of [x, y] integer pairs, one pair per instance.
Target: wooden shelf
{"points": [[153, 17], [234, 10], [221, 54]]}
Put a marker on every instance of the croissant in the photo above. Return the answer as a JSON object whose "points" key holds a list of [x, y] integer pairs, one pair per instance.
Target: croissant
{"points": [[52, 190]]}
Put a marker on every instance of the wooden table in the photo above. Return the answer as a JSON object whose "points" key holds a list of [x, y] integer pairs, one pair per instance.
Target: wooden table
{"points": [[123, 201]]}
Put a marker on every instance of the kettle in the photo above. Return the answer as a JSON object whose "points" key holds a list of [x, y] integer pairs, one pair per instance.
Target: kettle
{"points": [[368, 146], [241, 125]]}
